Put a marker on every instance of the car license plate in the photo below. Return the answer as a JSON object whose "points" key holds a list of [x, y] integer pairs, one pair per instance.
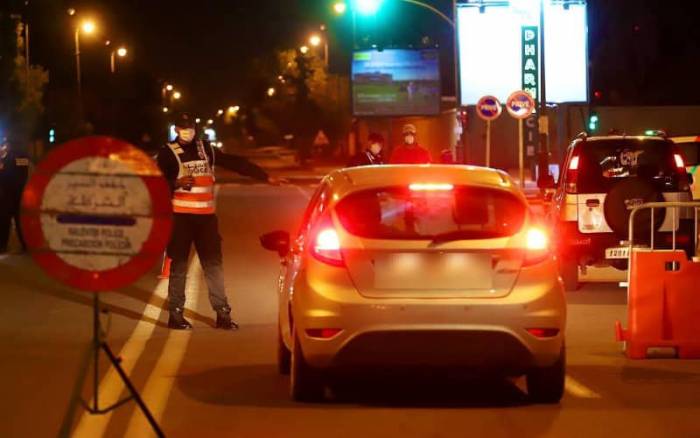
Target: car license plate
{"points": [[622, 252]]}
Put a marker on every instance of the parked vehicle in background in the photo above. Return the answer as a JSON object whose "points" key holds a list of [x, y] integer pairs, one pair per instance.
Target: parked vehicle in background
{"points": [[602, 178]]}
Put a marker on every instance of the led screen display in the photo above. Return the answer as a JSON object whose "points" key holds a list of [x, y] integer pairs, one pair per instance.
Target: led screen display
{"points": [[396, 82]]}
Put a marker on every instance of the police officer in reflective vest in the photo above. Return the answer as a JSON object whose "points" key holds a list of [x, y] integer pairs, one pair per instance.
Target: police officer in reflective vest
{"points": [[188, 165], [14, 170]]}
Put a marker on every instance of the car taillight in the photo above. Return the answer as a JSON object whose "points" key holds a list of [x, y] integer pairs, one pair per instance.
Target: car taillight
{"points": [[679, 161], [326, 245], [430, 187], [323, 333], [572, 175], [543, 332], [537, 247]]}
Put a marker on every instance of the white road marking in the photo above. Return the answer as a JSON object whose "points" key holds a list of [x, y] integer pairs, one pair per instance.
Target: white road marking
{"points": [[160, 382], [111, 385], [578, 389], [304, 193]]}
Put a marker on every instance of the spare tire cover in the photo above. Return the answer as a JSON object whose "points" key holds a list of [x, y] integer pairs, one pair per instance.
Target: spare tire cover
{"points": [[630, 192]]}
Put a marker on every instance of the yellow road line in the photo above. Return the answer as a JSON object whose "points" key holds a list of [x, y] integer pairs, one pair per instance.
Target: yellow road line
{"points": [[160, 381], [578, 389], [111, 385]]}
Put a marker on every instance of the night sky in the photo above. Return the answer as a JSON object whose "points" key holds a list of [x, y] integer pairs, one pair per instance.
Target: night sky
{"points": [[642, 51]]}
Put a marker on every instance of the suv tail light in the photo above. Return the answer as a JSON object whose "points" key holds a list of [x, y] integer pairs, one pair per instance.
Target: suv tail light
{"points": [[572, 174], [537, 246], [679, 161], [325, 246]]}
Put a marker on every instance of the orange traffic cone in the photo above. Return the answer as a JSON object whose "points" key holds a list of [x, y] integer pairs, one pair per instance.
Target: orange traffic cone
{"points": [[165, 268]]}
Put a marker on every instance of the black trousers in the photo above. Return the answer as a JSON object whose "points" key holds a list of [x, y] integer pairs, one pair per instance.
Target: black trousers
{"points": [[202, 230], [6, 218]]}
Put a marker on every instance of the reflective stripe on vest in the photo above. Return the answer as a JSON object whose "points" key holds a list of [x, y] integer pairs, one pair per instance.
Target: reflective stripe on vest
{"points": [[200, 198]]}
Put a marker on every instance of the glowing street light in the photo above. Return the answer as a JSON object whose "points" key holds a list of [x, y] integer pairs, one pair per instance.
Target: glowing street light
{"points": [[121, 52], [340, 7], [315, 40], [233, 109], [197, 120], [271, 91], [169, 87], [177, 95], [304, 50], [88, 26], [210, 122], [220, 112], [165, 109]]}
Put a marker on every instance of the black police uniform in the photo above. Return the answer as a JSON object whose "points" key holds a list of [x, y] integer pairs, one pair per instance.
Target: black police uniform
{"points": [[198, 229], [366, 158], [14, 170]]}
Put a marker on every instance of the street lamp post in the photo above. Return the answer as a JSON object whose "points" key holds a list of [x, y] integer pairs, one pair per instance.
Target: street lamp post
{"points": [[120, 52], [88, 27]]}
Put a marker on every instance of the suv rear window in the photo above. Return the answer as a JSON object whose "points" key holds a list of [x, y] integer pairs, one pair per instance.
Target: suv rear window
{"points": [[462, 212], [604, 162]]}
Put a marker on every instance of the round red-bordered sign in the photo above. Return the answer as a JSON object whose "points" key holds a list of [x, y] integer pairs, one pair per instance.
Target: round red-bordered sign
{"points": [[488, 108], [97, 214], [520, 104]]}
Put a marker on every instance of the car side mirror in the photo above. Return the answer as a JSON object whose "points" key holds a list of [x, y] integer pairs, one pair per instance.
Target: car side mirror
{"points": [[277, 241]]}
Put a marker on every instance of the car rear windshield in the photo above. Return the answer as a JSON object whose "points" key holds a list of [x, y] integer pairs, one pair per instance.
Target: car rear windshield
{"points": [[604, 162], [461, 212], [691, 151]]}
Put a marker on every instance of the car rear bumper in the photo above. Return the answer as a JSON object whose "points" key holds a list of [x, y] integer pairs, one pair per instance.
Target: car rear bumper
{"points": [[481, 333]]}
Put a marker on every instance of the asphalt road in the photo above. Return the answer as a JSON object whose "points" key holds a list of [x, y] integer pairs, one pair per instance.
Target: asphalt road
{"points": [[207, 382]]}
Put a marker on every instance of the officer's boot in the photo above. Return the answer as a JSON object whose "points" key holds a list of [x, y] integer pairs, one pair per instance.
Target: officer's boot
{"points": [[177, 321], [223, 319]]}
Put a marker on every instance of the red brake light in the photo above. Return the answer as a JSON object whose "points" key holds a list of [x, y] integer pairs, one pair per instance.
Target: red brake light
{"points": [[536, 246], [430, 187], [679, 161], [323, 333], [573, 165], [543, 332], [325, 246], [572, 175]]}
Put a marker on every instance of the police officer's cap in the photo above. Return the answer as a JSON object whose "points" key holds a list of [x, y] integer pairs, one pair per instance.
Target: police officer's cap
{"points": [[184, 120]]}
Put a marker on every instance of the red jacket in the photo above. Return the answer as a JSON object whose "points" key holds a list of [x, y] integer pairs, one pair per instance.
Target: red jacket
{"points": [[415, 154]]}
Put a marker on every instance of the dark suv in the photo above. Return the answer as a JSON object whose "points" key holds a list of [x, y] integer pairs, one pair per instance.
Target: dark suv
{"points": [[602, 178]]}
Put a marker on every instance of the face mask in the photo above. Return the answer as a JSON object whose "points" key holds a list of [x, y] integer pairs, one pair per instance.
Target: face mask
{"points": [[375, 148], [187, 135], [409, 139]]}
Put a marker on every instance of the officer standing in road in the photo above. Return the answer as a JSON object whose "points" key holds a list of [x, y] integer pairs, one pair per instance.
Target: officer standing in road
{"points": [[410, 152], [14, 170], [371, 155], [188, 165]]}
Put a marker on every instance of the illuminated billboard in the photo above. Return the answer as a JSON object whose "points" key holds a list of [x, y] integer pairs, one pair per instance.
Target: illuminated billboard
{"points": [[491, 48], [395, 82]]}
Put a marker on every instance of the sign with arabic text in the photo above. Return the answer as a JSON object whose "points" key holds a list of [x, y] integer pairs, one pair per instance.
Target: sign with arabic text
{"points": [[97, 213]]}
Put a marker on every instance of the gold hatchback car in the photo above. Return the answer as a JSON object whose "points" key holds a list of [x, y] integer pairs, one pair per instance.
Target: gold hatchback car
{"points": [[419, 265]]}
